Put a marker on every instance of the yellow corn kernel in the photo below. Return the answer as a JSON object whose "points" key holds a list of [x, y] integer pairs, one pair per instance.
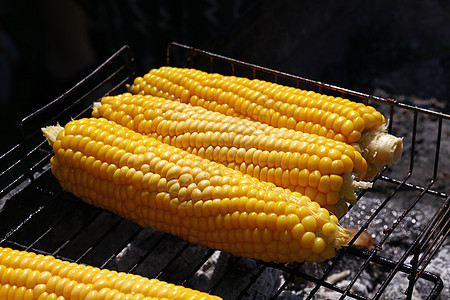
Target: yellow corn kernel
{"points": [[58, 279], [184, 191], [280, 106], [281, 156], [292, 105]]}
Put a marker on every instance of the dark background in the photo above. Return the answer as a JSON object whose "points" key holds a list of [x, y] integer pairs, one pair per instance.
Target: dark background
{"points": [[398, 48]]}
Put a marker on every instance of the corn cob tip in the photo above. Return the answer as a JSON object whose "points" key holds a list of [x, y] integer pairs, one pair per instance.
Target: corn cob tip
{"points": [[51, 132], [362, 185], [388, 149], [96, 105], [349, 188], [380, 147]]}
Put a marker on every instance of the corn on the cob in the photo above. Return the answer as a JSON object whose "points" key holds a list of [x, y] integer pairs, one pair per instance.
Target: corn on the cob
{"points": [[315, 166], [164, 187], [279, 106], [26, 275]]}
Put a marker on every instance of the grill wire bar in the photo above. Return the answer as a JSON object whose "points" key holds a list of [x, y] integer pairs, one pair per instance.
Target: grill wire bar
{"points": [[84, 234]]}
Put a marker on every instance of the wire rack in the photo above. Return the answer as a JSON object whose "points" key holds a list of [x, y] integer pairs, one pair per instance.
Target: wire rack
{"points": [[37, 215]]}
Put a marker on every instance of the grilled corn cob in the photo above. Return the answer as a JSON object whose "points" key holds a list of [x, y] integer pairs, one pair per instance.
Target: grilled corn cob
{"points": [[318, 167], [164, 187], [279, 106], [27, 275]]}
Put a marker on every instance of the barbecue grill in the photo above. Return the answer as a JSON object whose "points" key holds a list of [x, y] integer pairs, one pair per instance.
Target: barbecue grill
{"points": [[404, 218]]}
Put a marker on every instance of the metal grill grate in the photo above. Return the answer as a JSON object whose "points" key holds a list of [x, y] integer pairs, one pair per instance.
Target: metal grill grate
{"points": [[38, 216]]}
